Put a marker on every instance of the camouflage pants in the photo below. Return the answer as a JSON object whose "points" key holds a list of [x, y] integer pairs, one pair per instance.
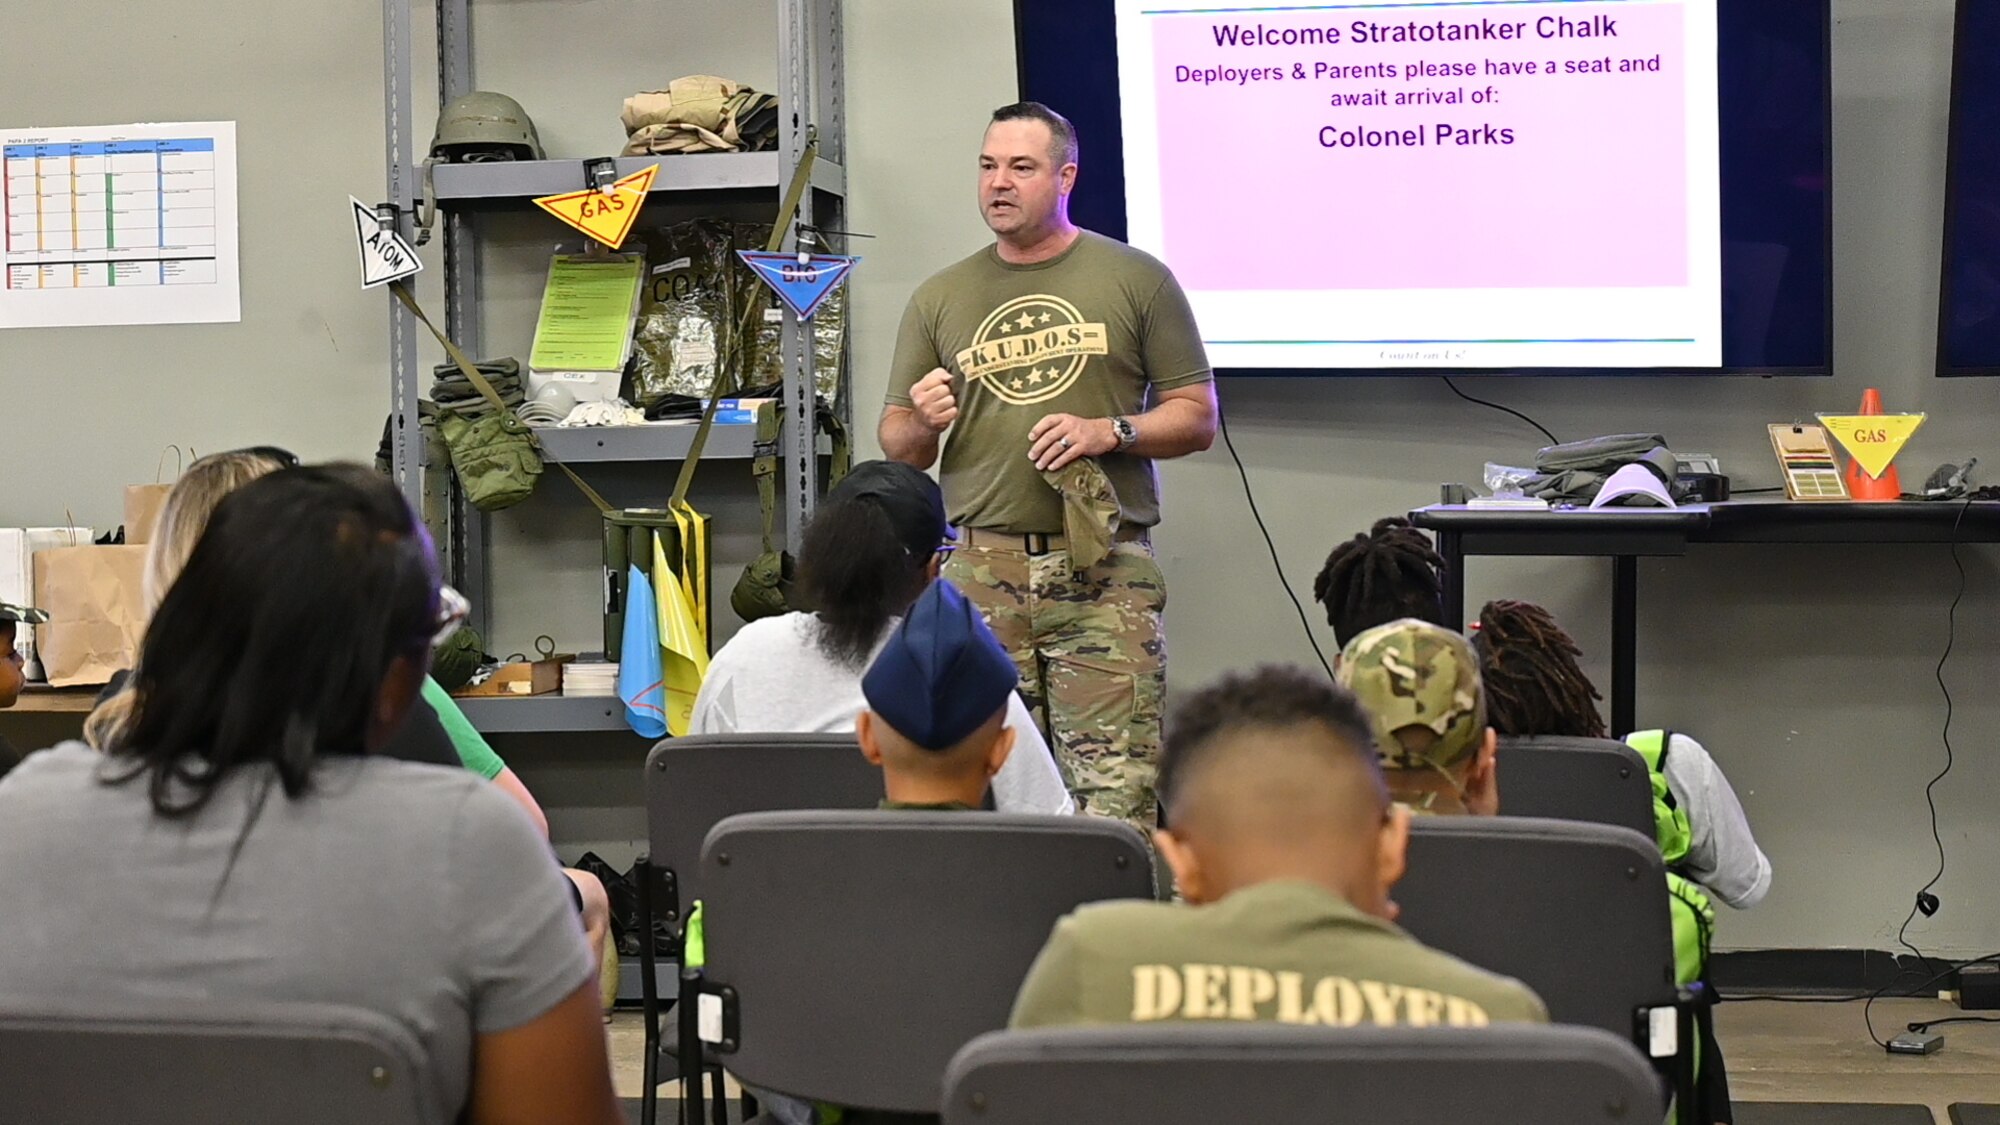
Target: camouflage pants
{"points": [[1092, 650]]}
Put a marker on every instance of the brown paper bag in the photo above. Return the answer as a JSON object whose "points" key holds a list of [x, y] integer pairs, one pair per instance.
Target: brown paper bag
{"points": [[143, 503], [96, 608]]}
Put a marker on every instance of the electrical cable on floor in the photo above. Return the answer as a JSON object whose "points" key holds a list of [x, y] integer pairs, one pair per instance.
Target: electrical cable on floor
{"points": [[1925, 901], [1222, 423], [1922, 1026], [1502, 409], [1868, 1009]]}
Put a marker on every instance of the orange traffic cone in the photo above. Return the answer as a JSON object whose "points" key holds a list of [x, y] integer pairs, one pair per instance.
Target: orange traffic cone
{"points": [[1860, 485]]}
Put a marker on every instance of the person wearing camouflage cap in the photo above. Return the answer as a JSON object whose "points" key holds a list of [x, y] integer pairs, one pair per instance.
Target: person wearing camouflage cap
{"points": [[1420, 685]]}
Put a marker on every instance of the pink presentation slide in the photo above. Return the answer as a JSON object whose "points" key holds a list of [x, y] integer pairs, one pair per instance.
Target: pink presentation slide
{"points": [[1501, 146]]}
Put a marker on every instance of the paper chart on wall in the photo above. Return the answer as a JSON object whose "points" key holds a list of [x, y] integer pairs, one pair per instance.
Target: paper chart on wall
{"points": [[119, 224]]}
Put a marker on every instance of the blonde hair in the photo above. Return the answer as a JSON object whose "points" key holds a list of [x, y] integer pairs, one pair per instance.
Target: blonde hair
{"points": [[185, 516], [182, 520]]}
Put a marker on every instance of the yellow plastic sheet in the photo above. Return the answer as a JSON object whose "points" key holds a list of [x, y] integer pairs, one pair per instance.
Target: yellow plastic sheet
{"points": [[682, 593]]}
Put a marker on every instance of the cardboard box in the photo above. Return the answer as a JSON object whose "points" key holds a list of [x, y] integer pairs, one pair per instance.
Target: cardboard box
{"points": [[541, 677]]}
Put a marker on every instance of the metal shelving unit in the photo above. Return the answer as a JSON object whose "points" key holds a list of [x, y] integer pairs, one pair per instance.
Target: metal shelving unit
{"points": [[651, 442], [811, 102], [499, 715], [710, 171]]}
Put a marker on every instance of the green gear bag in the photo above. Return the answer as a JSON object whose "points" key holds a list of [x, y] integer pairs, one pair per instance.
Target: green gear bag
{"points": [[1693, 913], [498, 450], [1670, 821], [454, 662], [494, 456], [1694, 927], [766, 587]]}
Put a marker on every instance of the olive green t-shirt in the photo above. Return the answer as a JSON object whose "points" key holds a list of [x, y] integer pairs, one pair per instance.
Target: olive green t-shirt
{"points": [[1285, 952], [1089, 332]]}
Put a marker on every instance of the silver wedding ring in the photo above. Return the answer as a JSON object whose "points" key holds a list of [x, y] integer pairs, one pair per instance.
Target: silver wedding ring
{"points": [[1064, 442]]}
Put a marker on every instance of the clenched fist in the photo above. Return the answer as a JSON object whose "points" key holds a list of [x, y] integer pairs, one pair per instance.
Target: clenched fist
{"points": [[932, 402]]}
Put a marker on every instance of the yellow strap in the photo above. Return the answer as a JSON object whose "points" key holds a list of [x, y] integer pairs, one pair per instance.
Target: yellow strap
{"points": [[471, 372]]}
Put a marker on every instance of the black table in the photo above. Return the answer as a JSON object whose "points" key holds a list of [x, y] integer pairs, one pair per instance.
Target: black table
{"points": [[1627, 534]]}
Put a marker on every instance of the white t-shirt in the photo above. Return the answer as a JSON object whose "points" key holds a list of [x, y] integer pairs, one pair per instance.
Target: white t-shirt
{"points": [[773, 676], [1723, 855]]}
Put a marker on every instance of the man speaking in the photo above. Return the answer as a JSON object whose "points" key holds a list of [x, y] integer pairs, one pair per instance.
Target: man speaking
{"points": [[1051, 346]]}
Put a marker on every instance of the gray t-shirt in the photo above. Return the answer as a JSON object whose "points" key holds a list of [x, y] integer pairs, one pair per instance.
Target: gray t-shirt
{"points": [[772, 676], [418, 892]]}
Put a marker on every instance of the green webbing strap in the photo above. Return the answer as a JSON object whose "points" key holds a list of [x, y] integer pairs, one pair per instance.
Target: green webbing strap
{"points": [[471, 372], [764, 466], [801, 178], [843, 452]]}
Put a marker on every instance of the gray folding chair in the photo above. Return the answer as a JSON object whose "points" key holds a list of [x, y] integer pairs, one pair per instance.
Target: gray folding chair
{"points": [[1578, 912], [1591, 779], [301, 1064], [693, 783], [850, 955], [1199, 1074]]}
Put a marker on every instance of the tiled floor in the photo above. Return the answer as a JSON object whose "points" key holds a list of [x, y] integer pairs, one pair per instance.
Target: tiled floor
{"points": [[1777, 1053]]}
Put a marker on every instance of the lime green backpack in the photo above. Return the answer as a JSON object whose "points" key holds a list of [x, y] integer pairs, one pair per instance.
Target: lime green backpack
{"points": [[1694, 914]]}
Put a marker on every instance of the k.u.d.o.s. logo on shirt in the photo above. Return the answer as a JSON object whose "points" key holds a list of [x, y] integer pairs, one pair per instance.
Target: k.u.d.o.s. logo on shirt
{"points": [[1031, 349]]}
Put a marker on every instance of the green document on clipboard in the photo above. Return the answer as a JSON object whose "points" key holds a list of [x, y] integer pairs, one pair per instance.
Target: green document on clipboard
{"points": [[588, 308]]}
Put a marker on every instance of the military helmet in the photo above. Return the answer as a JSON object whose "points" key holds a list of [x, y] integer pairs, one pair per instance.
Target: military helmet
{"points": [[483, 125]]}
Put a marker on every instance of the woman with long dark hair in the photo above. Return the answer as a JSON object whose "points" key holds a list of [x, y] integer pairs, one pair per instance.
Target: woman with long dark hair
{"points": [[874, 543], [247, 847]]}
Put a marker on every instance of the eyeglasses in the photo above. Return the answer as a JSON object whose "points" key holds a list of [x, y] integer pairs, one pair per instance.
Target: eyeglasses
{"points": [[452, 611]]}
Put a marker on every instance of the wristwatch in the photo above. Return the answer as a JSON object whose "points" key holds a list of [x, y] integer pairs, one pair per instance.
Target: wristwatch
{"points": [[1126, 433]]}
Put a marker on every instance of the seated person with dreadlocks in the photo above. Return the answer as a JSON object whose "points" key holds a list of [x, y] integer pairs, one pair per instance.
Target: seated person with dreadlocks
{"points": [[1388, 574], [1536, 687], [1428, 704], [1393, 572]]}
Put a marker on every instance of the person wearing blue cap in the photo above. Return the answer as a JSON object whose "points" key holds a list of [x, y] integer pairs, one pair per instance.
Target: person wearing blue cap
{"points": [[938, 696], [873, 548]]}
